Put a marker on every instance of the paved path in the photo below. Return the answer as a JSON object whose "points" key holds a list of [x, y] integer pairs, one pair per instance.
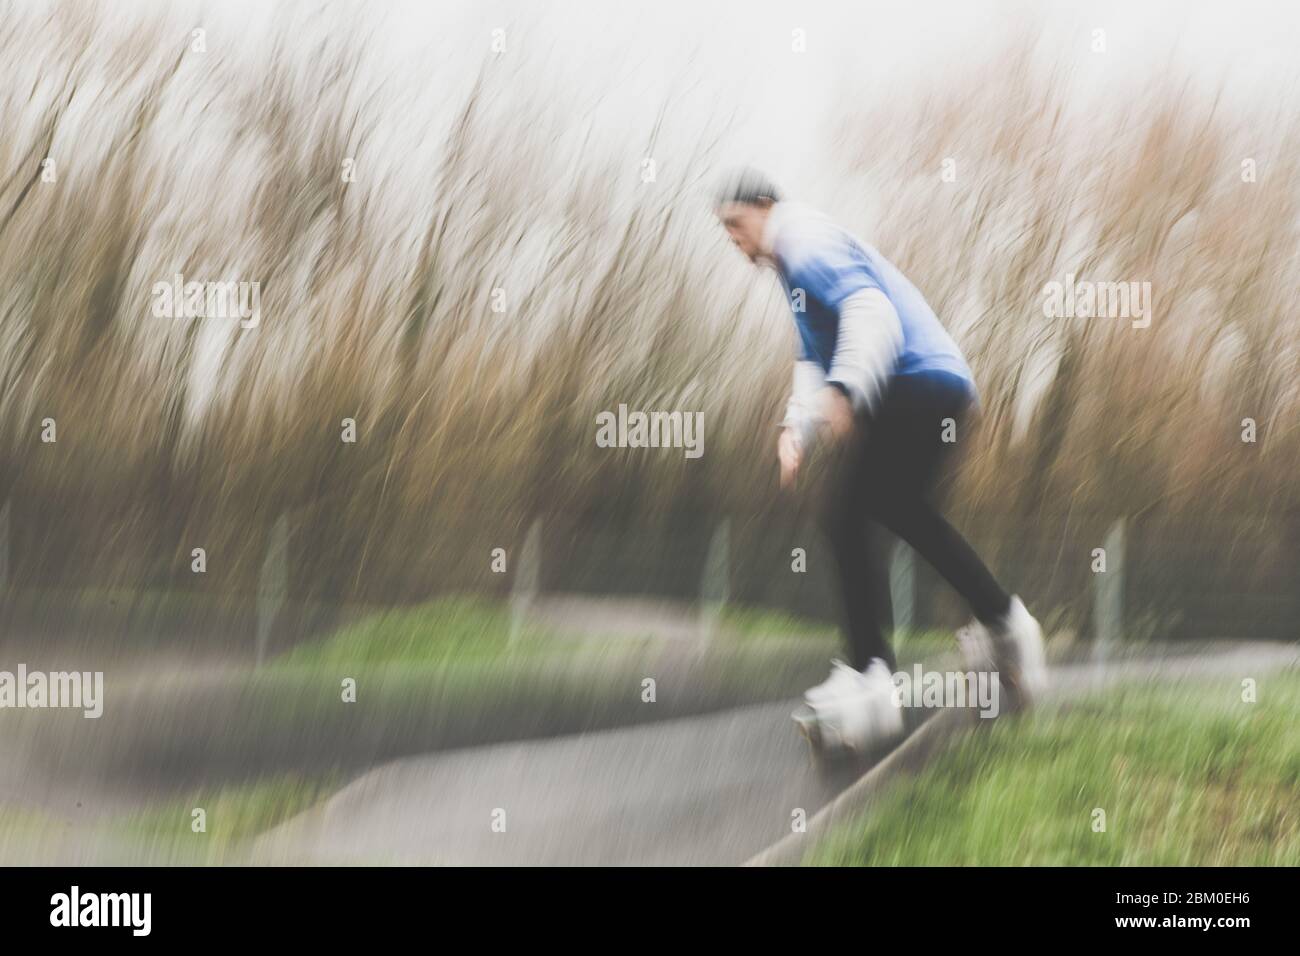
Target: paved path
{"points": [[716, 789], [701, 790]]}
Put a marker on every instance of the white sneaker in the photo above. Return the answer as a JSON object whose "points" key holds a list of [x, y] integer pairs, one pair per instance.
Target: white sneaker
{"points": [[1018, 654], [843, 680], [856, 710], [1012, 649]]}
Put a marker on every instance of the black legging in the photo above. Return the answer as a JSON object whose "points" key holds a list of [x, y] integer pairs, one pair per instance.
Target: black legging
{"points": [[886, 476]]}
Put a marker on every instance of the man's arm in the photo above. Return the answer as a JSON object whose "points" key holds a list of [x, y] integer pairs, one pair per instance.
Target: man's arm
{"points": [[870, 334], [801, 411], [867, 345]]}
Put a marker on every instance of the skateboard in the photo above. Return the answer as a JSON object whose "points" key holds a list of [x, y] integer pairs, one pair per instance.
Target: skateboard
{"points": [[824, 742], [828, 746]]}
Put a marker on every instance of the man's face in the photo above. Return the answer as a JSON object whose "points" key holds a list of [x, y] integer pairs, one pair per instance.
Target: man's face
{"points": [[744, 223]]}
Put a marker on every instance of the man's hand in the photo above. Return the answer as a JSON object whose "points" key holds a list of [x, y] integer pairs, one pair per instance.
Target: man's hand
{"points": [[837, 410], [789, 452]]}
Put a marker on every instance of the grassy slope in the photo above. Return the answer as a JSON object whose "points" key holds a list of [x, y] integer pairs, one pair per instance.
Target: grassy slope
{"points": [[1187, 775], [233, 814], [444, 632]]}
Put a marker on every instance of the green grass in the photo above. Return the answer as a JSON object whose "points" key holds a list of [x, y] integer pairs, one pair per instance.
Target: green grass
{"points": [[464, 645], [234, 814], [1187, 774], [18, 820], [436, 632], [161, 830], [749, 623], [470, 630]]}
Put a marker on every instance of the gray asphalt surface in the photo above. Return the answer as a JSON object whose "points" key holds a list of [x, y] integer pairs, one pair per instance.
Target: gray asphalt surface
{"points": [[702, 790]]}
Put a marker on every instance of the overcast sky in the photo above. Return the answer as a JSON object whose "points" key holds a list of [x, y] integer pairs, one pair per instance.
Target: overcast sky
{"points": [[742, 50], [733, 58]]}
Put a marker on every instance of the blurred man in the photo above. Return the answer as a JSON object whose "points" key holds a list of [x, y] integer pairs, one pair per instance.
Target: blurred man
{"points": [[879, 375]]}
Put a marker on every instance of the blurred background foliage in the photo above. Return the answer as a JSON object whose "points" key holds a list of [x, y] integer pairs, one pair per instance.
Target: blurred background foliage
{"points": [[471, 424]]}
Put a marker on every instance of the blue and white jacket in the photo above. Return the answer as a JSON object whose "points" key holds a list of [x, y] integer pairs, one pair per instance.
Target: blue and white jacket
{"points": [[860, 321]]}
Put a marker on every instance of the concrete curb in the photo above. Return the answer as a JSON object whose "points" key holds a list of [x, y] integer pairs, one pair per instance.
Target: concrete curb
{"points": [[908, 758]]}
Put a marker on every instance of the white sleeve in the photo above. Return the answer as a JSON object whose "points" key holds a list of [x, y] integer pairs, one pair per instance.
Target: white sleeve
{"points": [[801, 412], [866, 347]]}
